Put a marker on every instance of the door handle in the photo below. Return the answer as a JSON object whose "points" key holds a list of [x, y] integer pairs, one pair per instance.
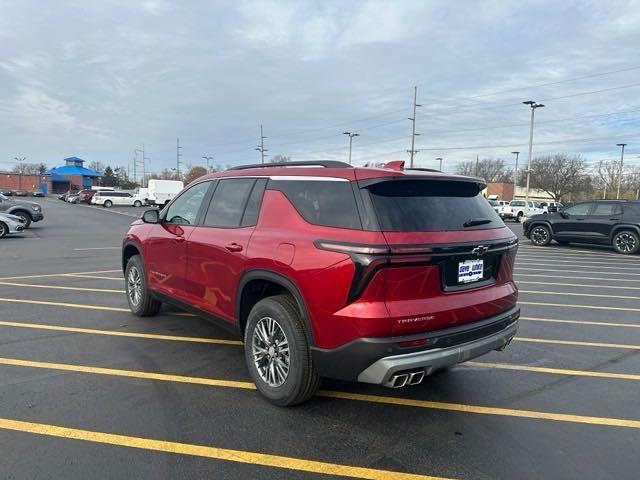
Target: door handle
{"points": [[233, 247], [614, 219]]}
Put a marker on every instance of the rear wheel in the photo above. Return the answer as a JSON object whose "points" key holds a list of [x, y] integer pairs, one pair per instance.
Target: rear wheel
{"points": [[520, 217], [4, 230], [139, 297], [626, 242], [137, 203], [277, 352], [108, 204], [25, 217], [540, 235]]}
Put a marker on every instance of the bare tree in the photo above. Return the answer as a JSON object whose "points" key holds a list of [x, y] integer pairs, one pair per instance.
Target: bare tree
{"points": [[279, 159], [492, 170], [30, 169], [560, 175]]}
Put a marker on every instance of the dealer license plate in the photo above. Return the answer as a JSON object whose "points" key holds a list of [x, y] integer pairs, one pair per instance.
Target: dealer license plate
{"points": [[470, 271]]}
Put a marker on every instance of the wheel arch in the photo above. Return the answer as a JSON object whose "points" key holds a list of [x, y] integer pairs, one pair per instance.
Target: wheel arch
{"points": [[18, 209], [265, 281], [546, 223], [623, 226], [129, 249]]}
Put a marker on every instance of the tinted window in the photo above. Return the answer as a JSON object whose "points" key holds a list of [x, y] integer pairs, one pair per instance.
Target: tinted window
{"points": [[252, 211], [184, 210], [228, 202], [607, 209], [580, 209], [423, 205], [517, 203], [329, 203]]}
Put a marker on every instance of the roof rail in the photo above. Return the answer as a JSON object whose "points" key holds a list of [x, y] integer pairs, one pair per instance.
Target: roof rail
{"points": [[424, 169], [320, 163]]}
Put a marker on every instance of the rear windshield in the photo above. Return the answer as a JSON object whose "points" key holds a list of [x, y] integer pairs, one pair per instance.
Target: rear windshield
{"points": [[424, 205]]}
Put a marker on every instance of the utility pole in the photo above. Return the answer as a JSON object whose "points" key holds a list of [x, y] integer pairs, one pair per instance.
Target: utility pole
{"points": [[144, 159], [413, 150], [477, 163], [350, 135], [208, 158], [440, 160], [19, 160], [515, 175], [533, 106], [620, 169], [260, 147], [178, 155]]}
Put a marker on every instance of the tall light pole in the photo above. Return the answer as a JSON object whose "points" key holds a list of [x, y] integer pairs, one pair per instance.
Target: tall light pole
{"points": [[260, 147], [439, 159], [19, 160], [533, 106], [413, 150], [178, 155], [208, 158], [620, 169], [515, 175], [350, 135]]}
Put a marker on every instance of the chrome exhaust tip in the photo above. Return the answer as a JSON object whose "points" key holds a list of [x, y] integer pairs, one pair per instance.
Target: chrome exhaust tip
{"points": [[415, 378], [399, 380], [506, 344]]}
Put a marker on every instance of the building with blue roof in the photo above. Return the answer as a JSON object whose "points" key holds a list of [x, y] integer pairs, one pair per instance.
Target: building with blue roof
{"points": [[73, 176]]}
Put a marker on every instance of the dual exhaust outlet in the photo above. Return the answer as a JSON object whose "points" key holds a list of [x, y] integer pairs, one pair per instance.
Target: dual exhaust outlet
{"points": [[404, 378]]}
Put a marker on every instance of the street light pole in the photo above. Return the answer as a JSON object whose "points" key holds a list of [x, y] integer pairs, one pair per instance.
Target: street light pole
{"points": [[413, 150], [350, 135], [261, 148], [19, 160], [207, 158], [620, 169], [533, 106], [440, 160], [515, 175]]}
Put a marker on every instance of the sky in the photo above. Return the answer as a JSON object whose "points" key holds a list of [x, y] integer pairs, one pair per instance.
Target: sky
{"points": [[99, 79]]}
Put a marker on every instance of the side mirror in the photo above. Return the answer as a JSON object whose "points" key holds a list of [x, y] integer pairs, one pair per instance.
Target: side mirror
{"points": [[151, 216], [563, 214]]}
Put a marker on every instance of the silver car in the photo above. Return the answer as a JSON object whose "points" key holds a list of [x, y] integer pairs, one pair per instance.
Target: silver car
{"points": [[10, 224]]}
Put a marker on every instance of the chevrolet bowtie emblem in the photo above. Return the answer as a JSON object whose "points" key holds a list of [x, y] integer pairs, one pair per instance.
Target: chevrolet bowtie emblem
{"points": [[480, 250]]}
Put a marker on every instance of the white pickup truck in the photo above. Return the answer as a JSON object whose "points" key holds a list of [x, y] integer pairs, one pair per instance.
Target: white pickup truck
{"points": [[517, 210]]}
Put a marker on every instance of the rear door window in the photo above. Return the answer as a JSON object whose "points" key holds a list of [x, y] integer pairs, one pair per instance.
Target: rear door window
{"points": [[427, 205], [607, 209], [229, 202]]}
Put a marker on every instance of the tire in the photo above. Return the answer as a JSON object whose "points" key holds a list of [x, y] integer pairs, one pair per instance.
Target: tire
{"points": [[25, 216], [137, 204], [279, 317], [540, 235], [107, 204], [519, 217], [626, 242], [4, 230], [141, 303]]}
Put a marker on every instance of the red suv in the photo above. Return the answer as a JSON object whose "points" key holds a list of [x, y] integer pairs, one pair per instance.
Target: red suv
{"points": [[377, 275]]}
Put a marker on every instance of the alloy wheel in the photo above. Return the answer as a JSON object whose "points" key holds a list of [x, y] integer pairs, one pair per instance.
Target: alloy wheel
{"points": [[3, 230], [134, 285], [625, 242], [270, 349], [539, 235]]}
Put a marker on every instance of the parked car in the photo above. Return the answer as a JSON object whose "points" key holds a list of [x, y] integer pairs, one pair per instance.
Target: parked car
{"points": [[10, 224], [6, 193], [29, 211], [20, 193], [377, 275], [66, 194], [109, 199], [85, 196], [552, 207], [517, 210], [37, 193], [73, 198], [605, 222], [161, 192]]}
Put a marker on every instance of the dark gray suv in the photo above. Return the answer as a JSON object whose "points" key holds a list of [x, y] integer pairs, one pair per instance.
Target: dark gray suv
{"points": [[29, 211]]}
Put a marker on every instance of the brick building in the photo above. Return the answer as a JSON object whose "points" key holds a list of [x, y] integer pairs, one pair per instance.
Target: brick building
{"points": [[14, 181], [504, 191]]}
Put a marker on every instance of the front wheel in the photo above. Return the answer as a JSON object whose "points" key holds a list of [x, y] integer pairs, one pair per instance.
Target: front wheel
{"points": [[277, 352], [540, 235], [137, 203], [626, 242], [139, 297], [26, 218], [4, 230], [520, 217], [108, 204]]}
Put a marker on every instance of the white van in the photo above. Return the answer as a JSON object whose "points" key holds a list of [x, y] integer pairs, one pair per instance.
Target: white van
{"points": [[110, 198], [161, 192]]}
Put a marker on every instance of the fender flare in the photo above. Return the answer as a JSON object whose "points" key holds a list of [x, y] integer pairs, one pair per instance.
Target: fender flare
{"points": [[289, 285], [546, 223], [125, 244], [623, 226]]}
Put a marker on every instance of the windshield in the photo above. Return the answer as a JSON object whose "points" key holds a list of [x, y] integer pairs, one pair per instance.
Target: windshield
{"points": [[426, 205]]}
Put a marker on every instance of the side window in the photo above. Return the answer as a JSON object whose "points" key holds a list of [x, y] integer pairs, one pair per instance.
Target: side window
{"points": [[228, 202], [252, 211], [184, 210], [328, 203], [578, 210], [607, 209]]}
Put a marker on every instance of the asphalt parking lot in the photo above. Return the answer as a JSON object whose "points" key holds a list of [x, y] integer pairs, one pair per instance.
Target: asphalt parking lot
{"points": [[87, 390]]}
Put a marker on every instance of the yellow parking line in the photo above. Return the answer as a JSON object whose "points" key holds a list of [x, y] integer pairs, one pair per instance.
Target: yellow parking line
{"points": [[591, 307], [574, 271], [527, 264], [591, 285], [554, 371], [379, 399], [215, 453], [68, 305], [578, 344], [542, 292], [95, 277], [60, 287], [38, 326], [581, 322], [537, 275], [56, 274]]}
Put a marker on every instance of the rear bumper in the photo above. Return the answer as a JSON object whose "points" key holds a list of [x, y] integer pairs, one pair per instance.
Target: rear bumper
{"points": [[376, 360]]}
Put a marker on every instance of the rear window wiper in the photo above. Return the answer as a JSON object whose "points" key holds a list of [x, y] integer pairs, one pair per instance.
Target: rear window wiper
{"points": [[476, 221]]}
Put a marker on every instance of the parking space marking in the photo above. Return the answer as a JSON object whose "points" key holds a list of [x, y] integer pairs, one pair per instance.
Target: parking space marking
{"points": [[215, 453], [591, 307], [535, 264], [573, 271], [116, 333], [97, 248], [533, 258], [60, 287], [591, 285], [379, 399], [581, 322], [574, 294], [526, 275], [94, 277], [554, 371], [68, 305], [563, 250], [578, 344], [47, 275]]}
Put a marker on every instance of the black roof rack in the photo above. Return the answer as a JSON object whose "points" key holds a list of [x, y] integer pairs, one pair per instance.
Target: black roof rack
{"points": [[320, 163], [424, 169]]}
